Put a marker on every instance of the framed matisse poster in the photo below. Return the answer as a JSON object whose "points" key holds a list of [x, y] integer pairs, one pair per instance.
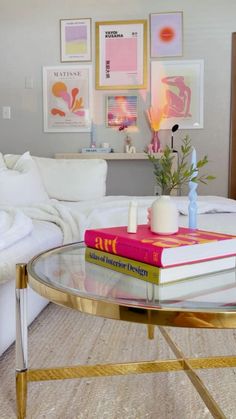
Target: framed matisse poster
{"points": [[177, 90], [121, 54], [121, 110], [75, 39], [166, 34], [67, 98]]}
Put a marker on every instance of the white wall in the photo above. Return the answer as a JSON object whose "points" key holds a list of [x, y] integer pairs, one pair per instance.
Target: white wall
{"points": [[29, 34]]}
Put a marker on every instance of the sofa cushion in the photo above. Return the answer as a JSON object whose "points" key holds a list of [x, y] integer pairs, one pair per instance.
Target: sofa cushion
{"points": [[73, 180], [22, 184], [70, 179]]}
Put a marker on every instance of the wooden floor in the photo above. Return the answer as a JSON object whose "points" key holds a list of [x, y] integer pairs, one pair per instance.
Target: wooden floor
{"points": [[61, 336]]}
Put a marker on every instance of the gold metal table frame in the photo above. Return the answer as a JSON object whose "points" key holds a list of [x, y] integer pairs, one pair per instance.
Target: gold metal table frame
{"points": [[150, 316]]}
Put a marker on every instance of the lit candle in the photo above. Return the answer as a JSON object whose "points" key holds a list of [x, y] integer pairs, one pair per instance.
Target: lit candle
{"points": [[192, 208]]}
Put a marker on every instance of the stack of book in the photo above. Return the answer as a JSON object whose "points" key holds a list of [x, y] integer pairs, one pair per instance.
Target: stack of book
{"points": [[96, 150], [160, 259]]}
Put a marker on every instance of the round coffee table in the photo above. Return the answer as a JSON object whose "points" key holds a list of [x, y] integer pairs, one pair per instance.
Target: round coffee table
{"points": [[64, 277]]}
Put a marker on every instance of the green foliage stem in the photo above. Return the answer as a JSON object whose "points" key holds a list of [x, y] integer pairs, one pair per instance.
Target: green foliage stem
{"points": [[168, 179]]}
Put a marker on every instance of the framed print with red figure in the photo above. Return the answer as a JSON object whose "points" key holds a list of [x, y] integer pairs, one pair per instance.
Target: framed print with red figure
{"points": [[177, 91]]}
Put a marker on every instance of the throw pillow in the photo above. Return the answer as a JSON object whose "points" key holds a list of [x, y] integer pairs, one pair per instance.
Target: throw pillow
{"points": [[73, 179], [21, 185]]}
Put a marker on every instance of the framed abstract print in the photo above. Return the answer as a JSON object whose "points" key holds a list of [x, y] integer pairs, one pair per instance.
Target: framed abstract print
{"points": [[75, 39], [67, 98], [121, 110], [166, 34]]}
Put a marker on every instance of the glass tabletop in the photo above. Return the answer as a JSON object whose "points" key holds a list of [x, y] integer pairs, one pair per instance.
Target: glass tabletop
{"points": [[64, 269]]}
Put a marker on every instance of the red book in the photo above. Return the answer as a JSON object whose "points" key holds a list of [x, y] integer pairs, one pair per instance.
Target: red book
{"points": [[186, 246]]}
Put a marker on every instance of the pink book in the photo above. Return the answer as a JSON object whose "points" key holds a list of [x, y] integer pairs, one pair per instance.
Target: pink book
{"points": [[186, 246]]}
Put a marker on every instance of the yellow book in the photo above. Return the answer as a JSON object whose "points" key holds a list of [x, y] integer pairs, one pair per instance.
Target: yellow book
{"points": [[155, 274]]}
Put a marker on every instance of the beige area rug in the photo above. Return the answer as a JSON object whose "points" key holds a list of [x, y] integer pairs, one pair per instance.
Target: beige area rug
{"points": [[60, 336]]}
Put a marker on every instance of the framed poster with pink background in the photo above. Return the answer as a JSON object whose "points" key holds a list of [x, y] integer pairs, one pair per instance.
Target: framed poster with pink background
{"points": [[121, 54], [177, 91], [166, 34]]}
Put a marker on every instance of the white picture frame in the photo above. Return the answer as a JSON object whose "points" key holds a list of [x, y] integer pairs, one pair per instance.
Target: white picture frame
{"points": [[75, 36], [166, 34], [177, 89], [67, 98]]}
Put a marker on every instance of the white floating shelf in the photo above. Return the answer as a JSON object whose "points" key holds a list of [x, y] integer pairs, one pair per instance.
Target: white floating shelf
{"points": [[105, 156]]}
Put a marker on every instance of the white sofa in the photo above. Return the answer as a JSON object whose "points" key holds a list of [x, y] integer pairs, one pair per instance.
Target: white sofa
{"points": [[46, 202], [26, 183]]}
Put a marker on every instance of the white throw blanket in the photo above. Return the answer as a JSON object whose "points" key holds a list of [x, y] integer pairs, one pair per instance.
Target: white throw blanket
{"points": [[206, 204], [69, 220], [17, 223], [14, 226], [113, 210], [74, 218]]}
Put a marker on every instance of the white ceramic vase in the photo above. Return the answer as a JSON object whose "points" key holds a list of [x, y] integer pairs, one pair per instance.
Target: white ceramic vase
{"points": [[164, 216]]}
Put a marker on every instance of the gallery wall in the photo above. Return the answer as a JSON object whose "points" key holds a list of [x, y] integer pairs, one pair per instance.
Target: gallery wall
{"points": [[30, 40]]}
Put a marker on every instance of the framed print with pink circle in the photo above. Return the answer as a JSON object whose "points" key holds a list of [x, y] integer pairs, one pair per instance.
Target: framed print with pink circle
{"points": [[166, 34]]}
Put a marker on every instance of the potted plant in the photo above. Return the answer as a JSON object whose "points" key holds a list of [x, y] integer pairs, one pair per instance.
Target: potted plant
{"points": [[169, 179]]}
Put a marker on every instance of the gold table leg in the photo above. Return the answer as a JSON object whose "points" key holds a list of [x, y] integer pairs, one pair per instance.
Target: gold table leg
{"points": [[194, 378], [150, 327], [21, 394]]}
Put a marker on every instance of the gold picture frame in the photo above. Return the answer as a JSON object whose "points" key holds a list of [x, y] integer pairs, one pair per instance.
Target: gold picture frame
{"points": [[121, 54]]}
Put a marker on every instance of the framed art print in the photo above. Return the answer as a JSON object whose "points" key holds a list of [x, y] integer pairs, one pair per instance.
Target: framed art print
{"points": [[166, 34], [121, 110], [177, 90], [67, 98], [75, 39], [121, 54]]}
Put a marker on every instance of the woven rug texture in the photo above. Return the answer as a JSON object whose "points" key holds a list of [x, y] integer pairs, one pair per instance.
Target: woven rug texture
{"points": [[63, 337]]}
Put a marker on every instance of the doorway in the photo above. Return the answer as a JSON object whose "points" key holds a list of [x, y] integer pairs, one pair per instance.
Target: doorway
{"points": [[232, 147]]}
